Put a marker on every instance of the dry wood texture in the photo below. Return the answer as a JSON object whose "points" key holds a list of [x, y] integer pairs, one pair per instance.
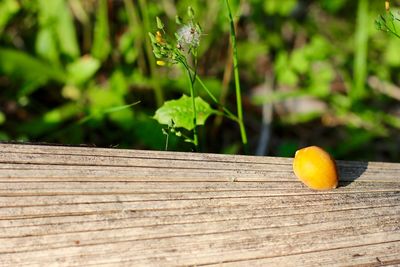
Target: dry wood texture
{"points": [[89, 206]]}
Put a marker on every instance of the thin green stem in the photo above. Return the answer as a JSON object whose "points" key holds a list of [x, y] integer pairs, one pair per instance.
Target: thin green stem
{"points": [[237, 79], [192, 95], [228, 113], [166, 142], [192, 80], [195, 66], [360, 61]]}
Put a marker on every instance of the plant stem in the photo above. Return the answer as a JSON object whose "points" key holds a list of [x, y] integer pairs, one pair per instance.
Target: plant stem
{"points": [[237, 79], [228, 114], [192, 79], [192, 95], [360, 60]]}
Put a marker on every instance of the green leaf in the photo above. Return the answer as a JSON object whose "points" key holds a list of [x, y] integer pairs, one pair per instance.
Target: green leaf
{"points": [[2, 118], [72, 92], [321, 77], [8, 9], [318, 49], [61, 114], [31, 71], [101, 44], [56, 16], [287, 77], [118, 83], [333, 6], [180, 112], [127, 47], [278, 7], [103, 100], [285, 74], [66, 32], [391, 120], [299, 61], [46, 45], [82, 70]]}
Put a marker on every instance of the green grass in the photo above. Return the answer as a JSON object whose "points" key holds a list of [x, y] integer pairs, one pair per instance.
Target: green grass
{"points": [[67, 61]]}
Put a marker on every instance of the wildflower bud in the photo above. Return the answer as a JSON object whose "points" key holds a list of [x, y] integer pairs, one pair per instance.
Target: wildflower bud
{"points": [[159, 39], [160, 25], [152, 37], [190, 12], [178, 20], [160, 63], [157, 53], [387, 5]]}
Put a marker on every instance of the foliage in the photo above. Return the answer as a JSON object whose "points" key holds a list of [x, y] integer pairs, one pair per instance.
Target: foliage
{"points": [[388, 23], [175, 112], [187, 43], [74, 71]]}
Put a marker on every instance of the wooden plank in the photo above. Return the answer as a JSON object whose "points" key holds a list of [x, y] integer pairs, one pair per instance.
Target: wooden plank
{"points": [[70, 206], [165, 166], [359, 255], [147, 154]]}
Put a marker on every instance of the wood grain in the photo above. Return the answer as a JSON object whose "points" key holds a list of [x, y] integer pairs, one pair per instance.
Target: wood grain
{"points": [[75, 206]]}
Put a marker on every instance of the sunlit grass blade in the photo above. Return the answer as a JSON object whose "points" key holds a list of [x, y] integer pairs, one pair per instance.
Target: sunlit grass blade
{"points": [[108, 110]]}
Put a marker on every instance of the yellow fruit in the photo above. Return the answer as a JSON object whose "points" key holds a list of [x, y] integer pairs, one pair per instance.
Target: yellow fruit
{"points": [[315, 168]]}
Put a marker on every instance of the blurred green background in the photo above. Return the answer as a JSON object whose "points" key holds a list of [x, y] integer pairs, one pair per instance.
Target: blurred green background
{"points": [[312, 73]]}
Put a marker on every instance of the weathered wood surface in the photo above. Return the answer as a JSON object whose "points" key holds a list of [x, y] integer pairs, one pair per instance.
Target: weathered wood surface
{"points": [[89, 206]]}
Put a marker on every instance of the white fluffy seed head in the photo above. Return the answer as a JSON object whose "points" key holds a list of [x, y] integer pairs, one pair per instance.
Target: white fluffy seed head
{"points": [[189, 35]]}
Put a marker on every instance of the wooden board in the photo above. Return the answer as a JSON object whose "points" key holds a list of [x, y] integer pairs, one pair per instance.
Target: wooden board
{"points": [[70, 206]]}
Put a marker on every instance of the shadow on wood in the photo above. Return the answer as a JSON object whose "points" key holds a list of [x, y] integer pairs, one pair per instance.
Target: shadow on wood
{"points": [[350, 173]]}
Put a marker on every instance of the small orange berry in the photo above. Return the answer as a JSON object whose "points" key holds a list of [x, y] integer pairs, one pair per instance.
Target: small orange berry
{"points": [[315, 168]]}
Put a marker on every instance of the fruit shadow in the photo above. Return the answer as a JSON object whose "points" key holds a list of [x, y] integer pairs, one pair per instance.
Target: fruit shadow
{"points": [[350, 171]]}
